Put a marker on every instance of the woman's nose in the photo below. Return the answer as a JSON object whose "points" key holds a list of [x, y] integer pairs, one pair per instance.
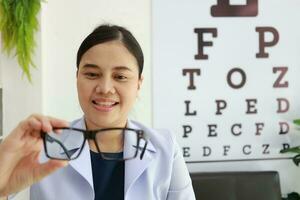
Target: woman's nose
{"points": [[105, 86]]}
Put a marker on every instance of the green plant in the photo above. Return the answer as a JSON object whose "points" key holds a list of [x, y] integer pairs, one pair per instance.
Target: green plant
{"points": [[292, 196], [18, 23], [296, 158]]}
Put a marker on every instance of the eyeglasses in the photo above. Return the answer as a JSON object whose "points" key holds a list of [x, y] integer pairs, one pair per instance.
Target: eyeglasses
{"points": [[67, 143]]}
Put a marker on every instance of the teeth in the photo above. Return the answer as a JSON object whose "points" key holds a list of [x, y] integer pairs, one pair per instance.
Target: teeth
{"points": [[104, 103]]}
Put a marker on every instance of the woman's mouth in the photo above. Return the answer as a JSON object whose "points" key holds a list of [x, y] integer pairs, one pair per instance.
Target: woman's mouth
{"points": [[104, 106]]}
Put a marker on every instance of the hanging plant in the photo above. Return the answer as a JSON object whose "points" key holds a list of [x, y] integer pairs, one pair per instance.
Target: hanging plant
{"points": [[18, 23], [296, 149]]}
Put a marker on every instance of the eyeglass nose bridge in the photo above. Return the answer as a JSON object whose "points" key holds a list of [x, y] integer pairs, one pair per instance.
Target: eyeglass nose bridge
{"points": [[90, 135]]}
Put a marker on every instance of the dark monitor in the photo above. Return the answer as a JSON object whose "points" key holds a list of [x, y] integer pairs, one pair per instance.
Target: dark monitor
{"points": [[261, 185]]}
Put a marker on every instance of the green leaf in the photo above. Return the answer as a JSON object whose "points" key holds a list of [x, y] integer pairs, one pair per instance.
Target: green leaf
{"points": [[293, 196], [296, 159], [297, 122], [291, 150], [18, 24]]}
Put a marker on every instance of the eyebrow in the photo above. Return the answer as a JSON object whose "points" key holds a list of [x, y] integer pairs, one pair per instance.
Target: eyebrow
{"points": [[122, 68], [88, 65], [94, 66]]}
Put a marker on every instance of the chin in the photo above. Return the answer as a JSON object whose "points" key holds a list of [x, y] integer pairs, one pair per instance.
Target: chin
{"points": [[101, 123]]}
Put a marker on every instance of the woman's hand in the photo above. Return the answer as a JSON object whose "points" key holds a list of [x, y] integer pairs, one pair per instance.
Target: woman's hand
{"points": [[19, 154]]}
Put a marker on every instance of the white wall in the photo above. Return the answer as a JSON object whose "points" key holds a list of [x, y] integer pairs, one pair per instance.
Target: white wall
{"points": [[20, 97]]}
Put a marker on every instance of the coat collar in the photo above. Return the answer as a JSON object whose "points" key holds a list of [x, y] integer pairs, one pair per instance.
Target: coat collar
{"points": [[83, 163], [133, 168]]}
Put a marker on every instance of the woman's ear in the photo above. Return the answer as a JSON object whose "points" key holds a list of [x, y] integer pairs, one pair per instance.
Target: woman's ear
{"points": [[140, 82]]}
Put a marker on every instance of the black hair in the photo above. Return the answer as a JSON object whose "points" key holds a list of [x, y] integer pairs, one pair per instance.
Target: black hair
{"points": [[105, 33]]}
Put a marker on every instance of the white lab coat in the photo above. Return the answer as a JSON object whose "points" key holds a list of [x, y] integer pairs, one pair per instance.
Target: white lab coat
{"points": [[160, 175]]}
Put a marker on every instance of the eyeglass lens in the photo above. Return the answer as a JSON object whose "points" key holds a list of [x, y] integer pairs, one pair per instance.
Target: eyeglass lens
{"points": [[66, 144]]}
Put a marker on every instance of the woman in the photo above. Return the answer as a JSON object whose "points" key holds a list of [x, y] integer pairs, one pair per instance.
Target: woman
{"points": [[109, 78]]}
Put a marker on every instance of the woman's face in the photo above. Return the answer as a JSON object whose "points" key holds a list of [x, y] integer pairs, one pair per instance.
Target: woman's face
{"points": [[107, 84]]}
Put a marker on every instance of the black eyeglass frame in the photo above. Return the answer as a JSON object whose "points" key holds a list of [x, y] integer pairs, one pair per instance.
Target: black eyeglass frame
{"points": [[91, 135]]}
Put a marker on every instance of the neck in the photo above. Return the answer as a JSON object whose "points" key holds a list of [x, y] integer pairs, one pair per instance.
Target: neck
{"points": [[90, 125]]}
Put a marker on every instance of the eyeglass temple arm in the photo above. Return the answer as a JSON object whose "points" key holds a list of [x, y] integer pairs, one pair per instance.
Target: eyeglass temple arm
{"points": [[144, 150], [57, 141]]}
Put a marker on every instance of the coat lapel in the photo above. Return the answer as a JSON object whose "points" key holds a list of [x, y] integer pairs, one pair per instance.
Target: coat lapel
{"points": [[135, 167], [83, 163]]}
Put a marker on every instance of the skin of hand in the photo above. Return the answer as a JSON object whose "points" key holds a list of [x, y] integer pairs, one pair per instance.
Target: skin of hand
{"points": [[19, 154]]}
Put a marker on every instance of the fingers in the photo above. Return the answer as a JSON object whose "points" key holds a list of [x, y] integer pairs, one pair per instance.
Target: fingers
{"points": [[58, 122], [46, 123], [28, 130], [36, 123], [32, 123], [50, 167]]}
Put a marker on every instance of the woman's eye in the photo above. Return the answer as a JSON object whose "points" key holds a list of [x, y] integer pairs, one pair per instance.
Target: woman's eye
{"points": [[91, 75], [121, 77]]}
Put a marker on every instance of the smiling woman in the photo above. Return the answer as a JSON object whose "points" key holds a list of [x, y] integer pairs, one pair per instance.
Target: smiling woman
{"points": [[108, 83], [111, 156]]}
